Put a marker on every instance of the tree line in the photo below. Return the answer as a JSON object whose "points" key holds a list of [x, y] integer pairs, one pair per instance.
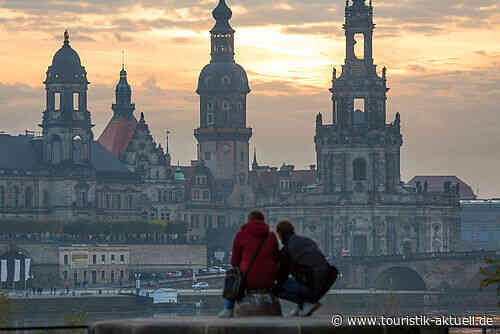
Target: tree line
{"points": [[91, 227]]}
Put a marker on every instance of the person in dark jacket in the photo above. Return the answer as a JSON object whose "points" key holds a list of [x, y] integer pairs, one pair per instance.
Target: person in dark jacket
{"points": [[312, 274], [264, 270]]}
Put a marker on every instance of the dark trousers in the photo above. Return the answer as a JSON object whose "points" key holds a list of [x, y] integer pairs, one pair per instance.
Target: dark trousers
{"points": [[299, 293], [294, 292]]}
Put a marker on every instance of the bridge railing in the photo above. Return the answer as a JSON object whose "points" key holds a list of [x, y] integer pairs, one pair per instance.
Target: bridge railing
{"points": [[416, 257]]}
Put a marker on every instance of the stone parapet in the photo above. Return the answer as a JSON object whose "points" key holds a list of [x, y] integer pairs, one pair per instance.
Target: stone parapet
{"points": [[211, 325]]}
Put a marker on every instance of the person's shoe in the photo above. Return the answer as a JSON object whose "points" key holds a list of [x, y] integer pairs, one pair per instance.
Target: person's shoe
{"points": [[296, 312], [225, 314], [309, 309]]}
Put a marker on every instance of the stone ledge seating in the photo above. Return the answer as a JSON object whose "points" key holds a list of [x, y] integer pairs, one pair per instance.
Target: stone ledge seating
{"points": [[250, 325]]}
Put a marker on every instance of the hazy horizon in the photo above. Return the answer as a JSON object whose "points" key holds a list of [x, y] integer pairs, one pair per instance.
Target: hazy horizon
{"points": [[442, 60]]}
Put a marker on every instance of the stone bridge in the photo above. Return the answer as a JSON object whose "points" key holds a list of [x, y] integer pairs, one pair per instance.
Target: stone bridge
{"points": [[458, 270]]}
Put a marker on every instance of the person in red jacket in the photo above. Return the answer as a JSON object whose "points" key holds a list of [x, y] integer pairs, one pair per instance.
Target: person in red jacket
{"points": [[264, 270]]}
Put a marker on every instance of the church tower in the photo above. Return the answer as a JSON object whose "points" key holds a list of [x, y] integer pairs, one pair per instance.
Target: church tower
{"points": [[67, 128], [223, 87], [359, 152], [123, 93]]}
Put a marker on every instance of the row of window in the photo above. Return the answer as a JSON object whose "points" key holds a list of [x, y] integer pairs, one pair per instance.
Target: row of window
{"points": [[208, 156], [14, 198], [114, 201], [165, 196], [208, 221], [102, 258], [94, 276], [80, 150], [226, 106], [359, 169], [59, 102], [201, 195]]}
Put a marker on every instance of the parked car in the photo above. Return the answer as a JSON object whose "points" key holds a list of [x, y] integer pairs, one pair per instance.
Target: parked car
{"points": [[200, 285]]}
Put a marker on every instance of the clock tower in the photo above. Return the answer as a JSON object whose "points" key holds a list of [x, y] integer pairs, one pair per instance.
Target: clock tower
{"points": [[223, 87]]}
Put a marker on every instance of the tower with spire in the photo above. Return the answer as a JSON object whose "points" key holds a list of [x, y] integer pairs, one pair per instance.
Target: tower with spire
{"points": [[359, 152], [66, 124], [223, 87], [123, 93], [130, 140]]}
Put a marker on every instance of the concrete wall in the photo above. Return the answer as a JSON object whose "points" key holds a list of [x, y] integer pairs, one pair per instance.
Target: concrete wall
{"points": [[48, 268], [167, 256]]}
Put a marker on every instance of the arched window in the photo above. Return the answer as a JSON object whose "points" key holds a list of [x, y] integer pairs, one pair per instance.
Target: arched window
{"points": [[359, 169], [77, 149], [45, 199], [56, 154], [82, 198], [16, 196], [28, 197]]}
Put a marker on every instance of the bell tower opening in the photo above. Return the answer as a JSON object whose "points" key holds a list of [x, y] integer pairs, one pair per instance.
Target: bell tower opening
{"points": [[359, 115], [76, 101], [57, 101], [359, 46]]}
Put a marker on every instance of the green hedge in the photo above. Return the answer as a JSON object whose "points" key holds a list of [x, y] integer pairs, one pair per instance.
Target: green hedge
{"points": [[92, 227]]}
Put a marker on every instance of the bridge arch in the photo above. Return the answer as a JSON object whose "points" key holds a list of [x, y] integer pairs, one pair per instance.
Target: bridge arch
{"points": [[400, 278], [475, 281]]}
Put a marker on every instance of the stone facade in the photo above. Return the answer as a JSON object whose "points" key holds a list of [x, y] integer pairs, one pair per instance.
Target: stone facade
{"points": [[63, 173], [359, 203]]}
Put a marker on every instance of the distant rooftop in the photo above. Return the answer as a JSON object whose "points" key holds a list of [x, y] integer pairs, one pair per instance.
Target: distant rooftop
{"points": [[436, 184]]}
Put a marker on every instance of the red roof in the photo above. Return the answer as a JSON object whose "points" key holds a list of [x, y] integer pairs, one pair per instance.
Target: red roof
{"points": [[436, 184], [117, 135]]}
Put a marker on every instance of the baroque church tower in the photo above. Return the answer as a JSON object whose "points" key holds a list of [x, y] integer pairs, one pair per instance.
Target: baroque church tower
{"points": [[223, 87], [67, 128], [359, 152]]}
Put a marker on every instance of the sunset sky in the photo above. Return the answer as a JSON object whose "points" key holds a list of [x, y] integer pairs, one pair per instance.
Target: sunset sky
{"points": [[443, 61]]}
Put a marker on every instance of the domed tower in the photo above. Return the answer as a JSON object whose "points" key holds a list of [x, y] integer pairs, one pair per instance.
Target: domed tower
{"points": [[67, 129], [223, 87]]}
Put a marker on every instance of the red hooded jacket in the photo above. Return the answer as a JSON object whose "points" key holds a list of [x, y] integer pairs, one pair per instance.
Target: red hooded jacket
{"points": [[265, 268]]}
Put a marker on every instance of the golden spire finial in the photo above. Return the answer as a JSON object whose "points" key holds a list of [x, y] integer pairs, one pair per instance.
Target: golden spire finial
{"points": [[66, 35]]}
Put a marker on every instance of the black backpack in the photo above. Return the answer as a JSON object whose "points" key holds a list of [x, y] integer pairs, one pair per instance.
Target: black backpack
{"points": [[235, 281]]}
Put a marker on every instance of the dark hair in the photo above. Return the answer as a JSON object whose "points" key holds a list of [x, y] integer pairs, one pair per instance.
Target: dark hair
{"points": [[256, 215], [286, 228]]}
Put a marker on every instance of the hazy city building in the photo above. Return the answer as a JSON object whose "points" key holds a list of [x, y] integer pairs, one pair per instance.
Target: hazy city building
{"points": [[352, 199]]}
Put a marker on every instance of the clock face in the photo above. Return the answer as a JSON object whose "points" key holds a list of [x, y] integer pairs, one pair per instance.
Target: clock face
{"points": [[225, 147]]}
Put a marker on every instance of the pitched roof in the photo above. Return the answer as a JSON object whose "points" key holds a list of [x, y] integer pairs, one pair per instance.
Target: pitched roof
{"points": [[117, 134], [436, 184], [17, 152], [104, 161]]}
